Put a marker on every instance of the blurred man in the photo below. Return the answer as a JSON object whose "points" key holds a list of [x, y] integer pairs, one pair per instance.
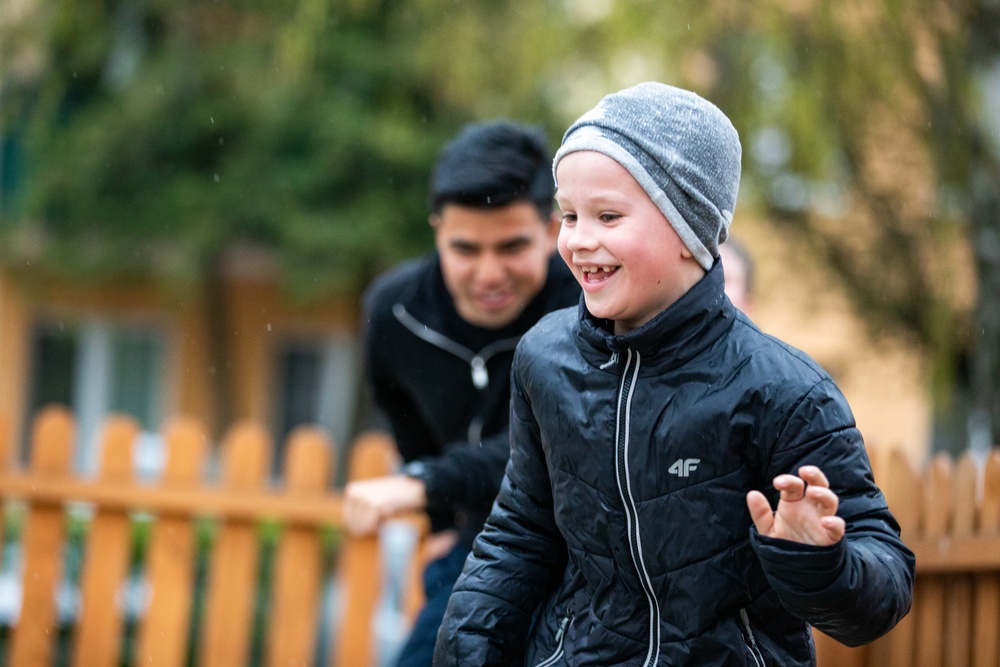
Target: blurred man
{"points": [[737, 265], [440, 342]]}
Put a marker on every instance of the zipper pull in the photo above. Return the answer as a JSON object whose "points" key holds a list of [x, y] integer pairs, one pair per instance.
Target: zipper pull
{"points": [[563, 625], [610, 362], [480, 378]]}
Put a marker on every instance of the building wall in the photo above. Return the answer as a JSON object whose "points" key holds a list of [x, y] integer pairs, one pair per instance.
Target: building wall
{"points": [[259, 320]]}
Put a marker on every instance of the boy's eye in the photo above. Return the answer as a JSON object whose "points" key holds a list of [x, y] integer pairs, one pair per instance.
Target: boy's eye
{"points": [[609, 217], [568, 218]]}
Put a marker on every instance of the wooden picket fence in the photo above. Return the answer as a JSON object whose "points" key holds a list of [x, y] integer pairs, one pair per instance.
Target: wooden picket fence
{"points": [[949, 512], [239, 502]]}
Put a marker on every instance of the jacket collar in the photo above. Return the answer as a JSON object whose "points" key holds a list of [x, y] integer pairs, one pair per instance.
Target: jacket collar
{"points": [[430, 304], [680, 333]]}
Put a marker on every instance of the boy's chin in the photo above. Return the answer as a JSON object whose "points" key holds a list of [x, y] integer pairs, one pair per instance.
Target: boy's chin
{"points": [[598, 310]]}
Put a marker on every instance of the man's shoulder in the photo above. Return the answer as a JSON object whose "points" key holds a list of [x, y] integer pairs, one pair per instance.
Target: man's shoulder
{"points": [[390, 287]]}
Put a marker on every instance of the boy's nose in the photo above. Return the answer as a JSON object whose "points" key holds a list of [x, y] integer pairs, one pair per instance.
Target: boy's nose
{"points": [[578, 238]]}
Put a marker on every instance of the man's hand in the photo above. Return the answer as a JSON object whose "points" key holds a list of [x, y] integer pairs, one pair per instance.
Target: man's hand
{"points": [[368, 502], [806, 510]]}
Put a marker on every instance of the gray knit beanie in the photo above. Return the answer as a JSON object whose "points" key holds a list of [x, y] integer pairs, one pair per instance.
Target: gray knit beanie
{"points": [[681, 149]]}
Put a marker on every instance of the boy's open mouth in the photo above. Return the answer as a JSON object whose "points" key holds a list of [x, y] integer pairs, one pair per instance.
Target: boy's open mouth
{"points": [[598, 274]]}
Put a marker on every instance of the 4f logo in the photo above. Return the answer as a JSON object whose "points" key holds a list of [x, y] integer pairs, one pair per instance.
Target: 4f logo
{"points": [[683, 467]]}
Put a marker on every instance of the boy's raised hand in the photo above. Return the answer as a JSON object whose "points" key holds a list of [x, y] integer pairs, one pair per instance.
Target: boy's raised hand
{"points": [[806, 510]]}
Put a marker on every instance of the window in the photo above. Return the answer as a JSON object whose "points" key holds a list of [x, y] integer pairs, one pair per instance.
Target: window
{"points": [[96, 368], [316, 383]]}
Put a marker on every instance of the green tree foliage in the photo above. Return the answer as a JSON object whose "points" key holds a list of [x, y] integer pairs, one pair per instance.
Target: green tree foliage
{"points": [[864, 135], [155, 134]]}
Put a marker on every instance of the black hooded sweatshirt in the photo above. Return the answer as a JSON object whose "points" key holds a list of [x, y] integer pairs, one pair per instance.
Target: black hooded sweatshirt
{"points": [[444, 384]]}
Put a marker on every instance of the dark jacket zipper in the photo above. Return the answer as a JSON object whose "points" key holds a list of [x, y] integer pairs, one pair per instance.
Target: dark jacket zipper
{"points": [[476, 361], [560, 640], [629, 375], [751, 641]]}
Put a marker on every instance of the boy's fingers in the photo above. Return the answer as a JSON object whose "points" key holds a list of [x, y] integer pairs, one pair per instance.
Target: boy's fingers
{"points": [[760, 512], [835, 527], [814, 476], [791, 487], [825, 499]]}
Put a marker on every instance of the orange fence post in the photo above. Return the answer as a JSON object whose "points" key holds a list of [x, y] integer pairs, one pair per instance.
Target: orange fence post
{"points": [[44, 538], [958, 587], [298, 565], [170, 565], [986, 602], [232, 574], [929, 595], [374, 455], [97, 642]]}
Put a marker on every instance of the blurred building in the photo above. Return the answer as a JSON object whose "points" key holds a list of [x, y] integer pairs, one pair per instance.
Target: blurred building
{"points": [[139, 349]]}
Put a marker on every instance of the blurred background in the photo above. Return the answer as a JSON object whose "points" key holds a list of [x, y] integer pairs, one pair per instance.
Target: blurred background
{"points": [[193, 193]]}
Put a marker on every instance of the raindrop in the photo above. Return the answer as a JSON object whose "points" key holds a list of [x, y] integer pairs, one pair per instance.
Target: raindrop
{"points": [[216, 177], [268, 326]]}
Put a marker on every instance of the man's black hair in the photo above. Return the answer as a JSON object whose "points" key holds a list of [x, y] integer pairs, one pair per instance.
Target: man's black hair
{"points": [[493, 164]]}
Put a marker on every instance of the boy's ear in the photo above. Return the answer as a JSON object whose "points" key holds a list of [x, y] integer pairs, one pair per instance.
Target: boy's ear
{"points": [[685, 253], [434, 220]]}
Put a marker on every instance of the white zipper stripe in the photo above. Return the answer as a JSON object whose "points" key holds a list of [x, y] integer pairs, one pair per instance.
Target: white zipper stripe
{"points": [[758, 657], [551, 660], [477, 361], [560, 641], [632, 512]]}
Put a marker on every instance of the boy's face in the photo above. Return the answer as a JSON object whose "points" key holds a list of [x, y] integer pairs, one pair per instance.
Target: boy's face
{"points": [[494, 260], [626, 256]]}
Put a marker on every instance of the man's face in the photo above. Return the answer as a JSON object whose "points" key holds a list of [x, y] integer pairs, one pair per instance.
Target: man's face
{"points": [[494, 260]]}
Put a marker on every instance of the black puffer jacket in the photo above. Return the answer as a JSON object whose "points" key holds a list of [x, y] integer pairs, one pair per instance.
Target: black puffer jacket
{"points": [[621, 534]]}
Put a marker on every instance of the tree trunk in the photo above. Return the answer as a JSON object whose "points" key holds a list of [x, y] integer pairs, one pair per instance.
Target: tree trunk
{"points": [[985, 222], [220, 359]]}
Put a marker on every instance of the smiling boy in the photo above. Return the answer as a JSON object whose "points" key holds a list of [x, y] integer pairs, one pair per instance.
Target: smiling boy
{"points": [[682, 489]]}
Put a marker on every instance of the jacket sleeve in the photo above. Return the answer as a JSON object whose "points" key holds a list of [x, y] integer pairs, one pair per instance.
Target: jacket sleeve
{"points": [[464, 474], [515, 560], [468, 474], [858, 589]]}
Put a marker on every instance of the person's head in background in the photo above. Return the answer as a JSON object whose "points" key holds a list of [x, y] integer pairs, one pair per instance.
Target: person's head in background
{"points": [[737, 265], [492, 215]]}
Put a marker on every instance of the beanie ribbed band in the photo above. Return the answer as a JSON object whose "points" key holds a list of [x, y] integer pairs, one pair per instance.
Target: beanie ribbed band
{"points": [[682, 150]]}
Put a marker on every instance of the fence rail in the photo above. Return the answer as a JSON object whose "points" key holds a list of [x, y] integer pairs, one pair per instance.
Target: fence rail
{"points": [[949, 512], [240, 500]]}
